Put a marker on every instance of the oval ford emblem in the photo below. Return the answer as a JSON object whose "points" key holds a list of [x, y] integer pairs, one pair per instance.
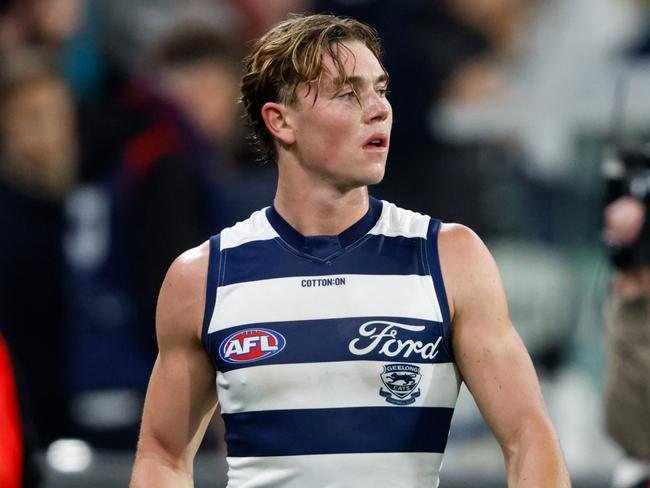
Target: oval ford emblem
{"points": [[250, 345]]}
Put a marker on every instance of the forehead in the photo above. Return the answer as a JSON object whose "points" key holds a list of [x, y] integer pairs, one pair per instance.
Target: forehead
{"points": [[354, 58], [37, 93]]}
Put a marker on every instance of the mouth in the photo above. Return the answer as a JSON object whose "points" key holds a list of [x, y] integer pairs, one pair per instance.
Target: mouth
{"points": [[376, 142]]}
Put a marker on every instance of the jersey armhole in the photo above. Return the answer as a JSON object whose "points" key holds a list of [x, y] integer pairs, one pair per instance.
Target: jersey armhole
{"points": [[435, 270], [214, 266]]}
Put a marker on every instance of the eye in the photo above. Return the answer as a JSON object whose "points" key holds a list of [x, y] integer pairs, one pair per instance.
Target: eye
{"points": [[383, 92], [347, 95]]}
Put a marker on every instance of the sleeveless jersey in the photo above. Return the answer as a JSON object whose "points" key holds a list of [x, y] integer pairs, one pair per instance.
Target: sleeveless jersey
{"points": [[333, 354]]}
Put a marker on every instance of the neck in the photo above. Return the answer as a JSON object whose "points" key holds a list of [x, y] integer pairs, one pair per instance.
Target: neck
{"points": [[318, 209]]}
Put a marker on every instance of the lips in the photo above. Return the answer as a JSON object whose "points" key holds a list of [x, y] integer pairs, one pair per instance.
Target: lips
{"points": [[376, 142]]}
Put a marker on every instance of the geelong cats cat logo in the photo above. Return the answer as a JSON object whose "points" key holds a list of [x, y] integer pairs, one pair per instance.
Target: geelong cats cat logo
{"points": [[248, 345], [401, 381]]}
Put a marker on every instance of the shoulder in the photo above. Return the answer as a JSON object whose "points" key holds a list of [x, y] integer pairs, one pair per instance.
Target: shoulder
{"points": [[256, 227], [189, 267], [457, 241], [396, 221], [182, 294], [468, 268]]}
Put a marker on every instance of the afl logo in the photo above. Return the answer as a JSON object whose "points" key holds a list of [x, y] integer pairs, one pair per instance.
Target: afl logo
{"points": [[248, 345]]}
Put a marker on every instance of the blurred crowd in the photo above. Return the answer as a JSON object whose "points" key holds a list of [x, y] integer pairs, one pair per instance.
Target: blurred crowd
{"points": [[122, 145]]}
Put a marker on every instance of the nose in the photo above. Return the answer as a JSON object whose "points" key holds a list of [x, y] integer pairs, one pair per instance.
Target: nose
{"points": [[377, 108]]}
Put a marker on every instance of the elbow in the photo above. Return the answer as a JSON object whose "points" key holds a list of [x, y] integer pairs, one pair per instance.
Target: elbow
{"points": [[531, 431], [532, 453], [153, 451]]}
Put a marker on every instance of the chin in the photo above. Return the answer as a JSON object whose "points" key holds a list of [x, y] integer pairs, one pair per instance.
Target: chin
{"points": [[360, 181], [375, 180], [370, 180], [376, 174]]}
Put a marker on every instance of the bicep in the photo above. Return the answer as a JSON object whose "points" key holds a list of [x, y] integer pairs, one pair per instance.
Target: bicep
{"points": [[500, 375], [180, 401], [492, 358], [181, 396]]}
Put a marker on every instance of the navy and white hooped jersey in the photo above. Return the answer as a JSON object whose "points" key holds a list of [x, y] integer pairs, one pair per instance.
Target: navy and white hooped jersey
{"points": [[333, 354]]}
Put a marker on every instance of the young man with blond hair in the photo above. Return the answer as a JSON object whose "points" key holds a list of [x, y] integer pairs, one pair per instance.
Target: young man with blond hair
{"points": [[336, 327]]}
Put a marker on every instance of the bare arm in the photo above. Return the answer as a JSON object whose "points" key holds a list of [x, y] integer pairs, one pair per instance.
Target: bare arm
{"points": [[495, 363], [181, 397]]}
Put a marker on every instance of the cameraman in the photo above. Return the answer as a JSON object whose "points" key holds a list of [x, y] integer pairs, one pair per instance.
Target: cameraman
{"points": [[627, 398]]}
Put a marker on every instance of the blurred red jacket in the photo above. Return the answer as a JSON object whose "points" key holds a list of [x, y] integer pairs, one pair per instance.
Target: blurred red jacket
{"points": [[11, 440]]}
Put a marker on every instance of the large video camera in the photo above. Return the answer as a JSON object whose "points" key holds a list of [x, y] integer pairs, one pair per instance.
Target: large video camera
{"points": [[627, 173]]}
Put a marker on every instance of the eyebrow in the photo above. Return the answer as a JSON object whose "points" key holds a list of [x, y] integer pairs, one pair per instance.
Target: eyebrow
{"points": [[355, 81]]}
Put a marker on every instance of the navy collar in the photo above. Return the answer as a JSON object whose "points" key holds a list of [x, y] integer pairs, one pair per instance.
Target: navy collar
{"points": [[324, 247]]}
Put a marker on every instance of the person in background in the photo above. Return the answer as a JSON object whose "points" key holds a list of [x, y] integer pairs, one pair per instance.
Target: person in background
{"points": [[69, 29], [38, 168], [188, 146], [627, 396], [11, 447], [439, 52], [183, 104], [173, 182]]}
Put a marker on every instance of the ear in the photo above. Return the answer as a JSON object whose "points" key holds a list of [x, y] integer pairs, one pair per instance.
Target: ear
{"points": [[278, 123]]}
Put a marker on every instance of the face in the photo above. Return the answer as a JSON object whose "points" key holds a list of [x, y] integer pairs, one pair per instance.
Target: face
{"points": [[38, 134], [57, 20], [206, 92], [342, 127]]}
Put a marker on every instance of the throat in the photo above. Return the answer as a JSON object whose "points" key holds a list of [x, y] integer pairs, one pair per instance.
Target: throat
{"points": [[322, 217], [324, 232]]}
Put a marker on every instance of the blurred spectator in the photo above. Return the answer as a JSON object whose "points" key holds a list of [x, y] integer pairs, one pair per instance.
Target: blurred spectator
{"points": [[68, 28], [38, 164], [38, 129], [173, 185], [19, 464], [627, 400], [129, 27], [501, 23], [11, 447], [641, 47], [41, 21], [255, 18], [434, 51], [186, 103]]}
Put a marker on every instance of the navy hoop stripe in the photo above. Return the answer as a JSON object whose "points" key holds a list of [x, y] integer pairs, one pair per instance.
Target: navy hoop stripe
{"points": [[334, 337], [337, 431], [396, 258]]}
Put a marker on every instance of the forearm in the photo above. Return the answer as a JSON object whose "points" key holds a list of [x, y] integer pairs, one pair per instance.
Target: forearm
{"points": [[535, 460], [153, 472]]}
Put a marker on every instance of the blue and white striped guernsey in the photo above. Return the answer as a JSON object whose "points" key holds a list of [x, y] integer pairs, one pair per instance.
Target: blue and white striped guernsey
{"points": [[333, 354]]}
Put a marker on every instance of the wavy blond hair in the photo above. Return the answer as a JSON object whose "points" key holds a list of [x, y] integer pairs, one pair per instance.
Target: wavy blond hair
{"points": [[292, 53]]}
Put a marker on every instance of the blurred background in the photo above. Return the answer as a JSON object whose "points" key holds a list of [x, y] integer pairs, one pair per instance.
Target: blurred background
{"points": [[121, 145]]}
